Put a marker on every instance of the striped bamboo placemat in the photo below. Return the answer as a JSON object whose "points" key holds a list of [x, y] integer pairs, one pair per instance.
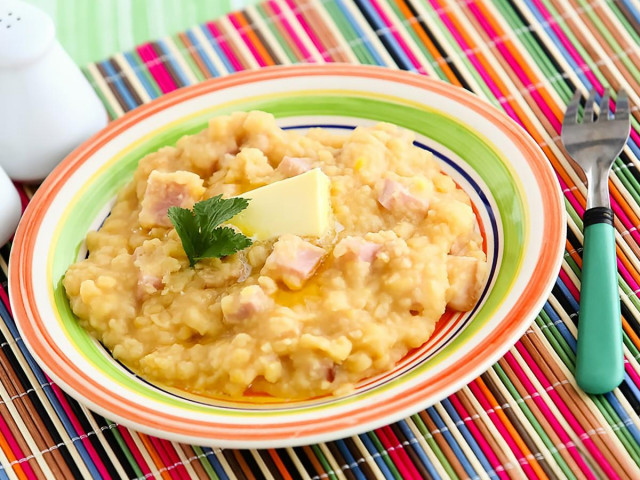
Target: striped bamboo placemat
{"points": [[524, 417]]}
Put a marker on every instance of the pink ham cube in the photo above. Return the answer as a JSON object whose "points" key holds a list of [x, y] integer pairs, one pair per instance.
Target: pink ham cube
{"points": [[165, 190], [244, 304], [292, 166], [356, 248], [149, 281], [466, 279], [396, 198], [292, 261]]}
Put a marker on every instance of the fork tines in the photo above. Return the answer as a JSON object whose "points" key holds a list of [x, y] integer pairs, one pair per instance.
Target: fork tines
{"points": [[621, 113]]}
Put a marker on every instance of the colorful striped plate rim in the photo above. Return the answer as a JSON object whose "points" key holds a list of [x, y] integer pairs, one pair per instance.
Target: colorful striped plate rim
{"points": [[514, 190]]}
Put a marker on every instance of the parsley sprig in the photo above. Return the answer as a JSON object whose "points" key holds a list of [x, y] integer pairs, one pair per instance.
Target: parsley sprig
{"points": [[199, 229]]}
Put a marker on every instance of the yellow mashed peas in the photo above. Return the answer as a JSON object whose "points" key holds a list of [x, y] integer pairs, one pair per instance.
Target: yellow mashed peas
{"points": [[289, 316]]}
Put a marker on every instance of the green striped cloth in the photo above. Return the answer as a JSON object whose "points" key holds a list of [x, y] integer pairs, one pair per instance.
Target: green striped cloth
{"points": [[94, 29]]}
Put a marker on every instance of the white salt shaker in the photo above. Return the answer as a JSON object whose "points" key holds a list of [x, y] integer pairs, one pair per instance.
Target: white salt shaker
{"points": [[10, 208], [47, 106]]}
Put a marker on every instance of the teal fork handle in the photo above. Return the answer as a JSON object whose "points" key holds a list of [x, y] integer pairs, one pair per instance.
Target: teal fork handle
{"points": [[600, 358]]}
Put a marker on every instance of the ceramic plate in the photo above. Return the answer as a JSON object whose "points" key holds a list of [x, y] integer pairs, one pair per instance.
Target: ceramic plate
{"points": [[516, 197]]}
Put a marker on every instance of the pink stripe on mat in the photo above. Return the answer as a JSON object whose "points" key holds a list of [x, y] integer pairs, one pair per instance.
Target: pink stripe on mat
{"points": [[576, 56], [504, 433], [632, 373], [513, 63], [235, 62], [309, 31], [568, 193], [165, 467], [17, 451], [135, 451], [482, 443], [552, 22], [549, 416], [156, 68], [243, 34], [497, 93], [169, 458], [180, 469], [4, 298], [566, 413], [622, 270], [628, 224], [396, 452], [397, 37], [82, 435], [575, 203], [402, 451], [569, 284], [292, 34], [634, 133]]}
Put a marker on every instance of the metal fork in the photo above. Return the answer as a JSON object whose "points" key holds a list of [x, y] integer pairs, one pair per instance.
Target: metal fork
{"points": [[594, 145]]}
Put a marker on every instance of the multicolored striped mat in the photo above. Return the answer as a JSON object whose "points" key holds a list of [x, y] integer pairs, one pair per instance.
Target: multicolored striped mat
{"points": [[525, 417]]}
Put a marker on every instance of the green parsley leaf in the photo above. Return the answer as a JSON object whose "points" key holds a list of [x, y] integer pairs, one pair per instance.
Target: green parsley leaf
{"points": [[216, 210], [186, 225], [199, 230], [225, 241]]}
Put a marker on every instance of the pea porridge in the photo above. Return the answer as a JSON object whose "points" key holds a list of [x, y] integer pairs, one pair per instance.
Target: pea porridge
{"points": [[337, 255]]}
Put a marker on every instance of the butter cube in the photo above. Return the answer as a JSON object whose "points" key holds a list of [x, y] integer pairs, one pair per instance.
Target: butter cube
{"points": [[298, 205]]}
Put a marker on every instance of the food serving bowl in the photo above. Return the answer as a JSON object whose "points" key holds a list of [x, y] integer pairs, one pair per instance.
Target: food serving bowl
{"points": [[513, 188]]}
